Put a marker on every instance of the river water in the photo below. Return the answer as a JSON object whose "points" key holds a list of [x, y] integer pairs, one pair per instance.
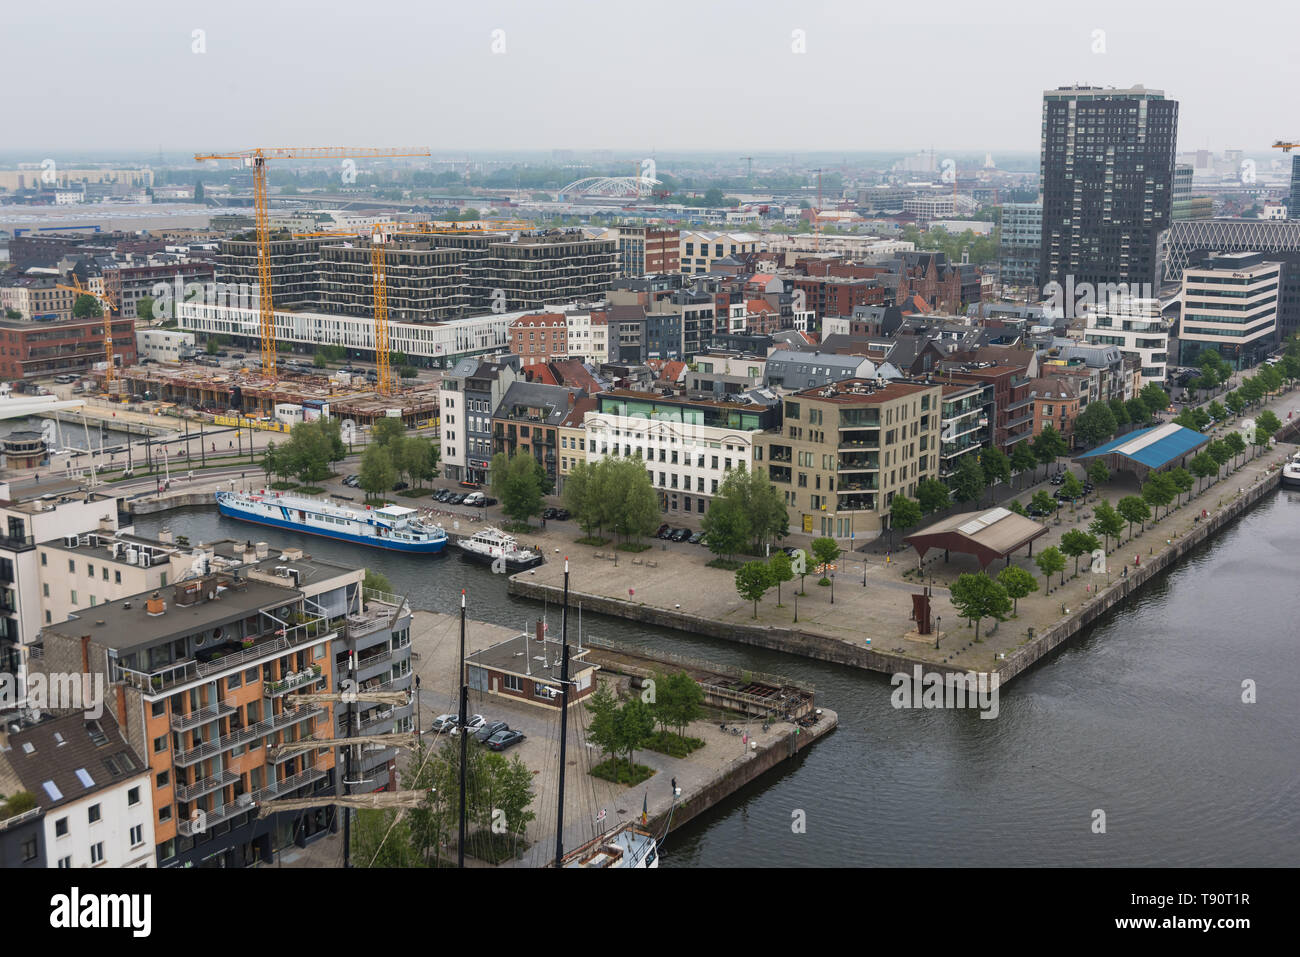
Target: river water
{"points": [[1141, 719]]}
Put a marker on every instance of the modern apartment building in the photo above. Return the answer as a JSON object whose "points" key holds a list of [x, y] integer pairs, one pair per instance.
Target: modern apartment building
{"points": [[846, 449], [79, 572], [1230, 305], [199, 672], [451, 417], [965, 422], [539, 271], [129, 284], [422, 283], [1019, 245], [1137, 327], [295, 281], [1107, 183], [688, 445], [1186, 204], [925, 208], [1008, 372]]}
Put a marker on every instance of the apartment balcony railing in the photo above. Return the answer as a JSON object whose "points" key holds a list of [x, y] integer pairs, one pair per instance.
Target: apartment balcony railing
{"points": [[205, 786], [270, 644], [183, 722], [291, 681], [192, 826], [16, 543], [373, 660], [1019, 420], [242, 735], [289, 784]]}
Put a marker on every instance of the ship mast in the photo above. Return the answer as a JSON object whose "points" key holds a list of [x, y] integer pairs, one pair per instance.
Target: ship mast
{"points": [[564, 718]]}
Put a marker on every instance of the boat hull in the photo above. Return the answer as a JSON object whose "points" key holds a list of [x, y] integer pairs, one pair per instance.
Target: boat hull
{"points": [[513, 564], [421, 548], [1290, 481]]}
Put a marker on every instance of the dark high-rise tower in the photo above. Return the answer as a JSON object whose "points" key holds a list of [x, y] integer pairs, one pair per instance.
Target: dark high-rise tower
{"points": [[1107, 182], [1293, 209]]}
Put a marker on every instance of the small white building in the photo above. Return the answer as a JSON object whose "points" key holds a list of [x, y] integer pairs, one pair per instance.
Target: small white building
{"points": [[1137, 327], [163, 345]]}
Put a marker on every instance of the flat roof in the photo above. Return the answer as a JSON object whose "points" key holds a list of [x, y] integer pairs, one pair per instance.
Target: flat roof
{"points": [[128, 628], [541, 661], [1153, 448]]}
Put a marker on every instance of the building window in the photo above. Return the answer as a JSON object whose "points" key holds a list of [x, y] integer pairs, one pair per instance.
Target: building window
{"points": [[164, 778], [512, 682], [94, 814], [65, 862], [137, 835], [160, 744], [97, 853], [29, 850], [61, 827], [133, 797], [165, 813]]}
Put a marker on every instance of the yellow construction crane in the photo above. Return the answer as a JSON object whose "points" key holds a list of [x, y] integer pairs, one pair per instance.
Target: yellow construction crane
{"points": [[109, 302], [1284, 146], [256, 160]]}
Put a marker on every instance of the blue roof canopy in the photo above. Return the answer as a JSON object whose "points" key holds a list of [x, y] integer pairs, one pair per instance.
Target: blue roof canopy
{"points": [[1152, 448]]}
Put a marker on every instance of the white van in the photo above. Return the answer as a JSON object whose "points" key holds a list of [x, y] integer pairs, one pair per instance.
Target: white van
{"points": [[474, 498]]}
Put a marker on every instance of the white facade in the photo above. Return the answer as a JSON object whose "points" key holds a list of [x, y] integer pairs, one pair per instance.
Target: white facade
{"points": [[685, 462], [451, 430], [1232, 309], [163, 345], [120, 834], [699, 249], [476, 335], [588, 338], [1137, 327]]}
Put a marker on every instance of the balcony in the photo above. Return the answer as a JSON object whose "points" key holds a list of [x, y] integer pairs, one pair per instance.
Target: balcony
{"points": [[289, 784], [183, 722], [241, 735], [859, 463], [205, 786], [291, 681], [17, 543], [859, 439], [190, 827]]}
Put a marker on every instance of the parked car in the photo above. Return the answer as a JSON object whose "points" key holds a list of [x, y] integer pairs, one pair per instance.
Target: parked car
{"points": [[399, 486], [504, 739], [457, 498], [472, 724], [444, 723], [790, 551], [550, 513], [489, 729], [680, 535], [441, 495], [696, 538], [488, 500], [562, 514], [664, 531]]}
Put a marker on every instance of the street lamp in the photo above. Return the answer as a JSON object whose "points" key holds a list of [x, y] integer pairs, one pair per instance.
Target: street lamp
{"points": [[832, 588], [796, 607], [938, 630]]}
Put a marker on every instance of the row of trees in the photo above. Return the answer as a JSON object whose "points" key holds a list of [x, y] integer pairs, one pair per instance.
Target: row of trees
{"points": [[620, 728], [312, 448], [613, 493], [393, 453], [756, 579], [498, 795]]}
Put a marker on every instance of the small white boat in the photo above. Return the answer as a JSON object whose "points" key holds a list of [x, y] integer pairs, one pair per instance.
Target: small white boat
{"points": [[492, 545], [627, 846], [1291, 472]]}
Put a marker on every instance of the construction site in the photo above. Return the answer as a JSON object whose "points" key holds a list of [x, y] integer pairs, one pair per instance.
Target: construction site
{"points": [[250, 393]]}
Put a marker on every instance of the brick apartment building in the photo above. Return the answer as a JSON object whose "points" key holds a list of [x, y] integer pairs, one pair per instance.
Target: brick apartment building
{"points": [[31, 349], [540, 337]]}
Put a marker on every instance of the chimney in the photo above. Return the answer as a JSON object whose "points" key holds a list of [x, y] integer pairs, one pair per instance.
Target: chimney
{"points": [[153, 607], [121, 706], [541, 630], [165, 536], [85, 654], [262, 550]]}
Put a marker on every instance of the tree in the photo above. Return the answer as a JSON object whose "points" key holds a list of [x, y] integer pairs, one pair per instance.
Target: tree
{"points": [[144, 308], [976, 597], [1023, 458], [516, 482], [1076, 543], [726, 527], [13, 314], [387, 430], [603, 729], [270, 461], [932, 495], [418, 458], [904, 513], [1016, 507], [1106, 522], [1044, 503], [1159, 490], [635, 725], [377, 471], [1094, 424], [1236, 445], [1218, 450], [1217, 411], [782, 571], [1262, 439], [1098, 474], [86, 307], [1120, 412], [678, 701], [1137, 412], [1203, 466], [1049, 561], [1154, 398], [825, 552], [996, 466], [1017, 583], [377, 581], [578, 498], [1048, 445], [1235, 402], [381, 839], [318, 360], [1071, 487], [1133, 508], [212, 347], [1269, 422], [1182, 480], [968, 480], [753, 579]]}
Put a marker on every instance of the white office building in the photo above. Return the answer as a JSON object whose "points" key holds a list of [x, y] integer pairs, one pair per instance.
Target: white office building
{"points": [[1230, 303], [1137, 327]]}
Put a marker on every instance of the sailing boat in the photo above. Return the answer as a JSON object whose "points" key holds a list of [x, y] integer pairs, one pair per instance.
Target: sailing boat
{"points": [[627, 845]]}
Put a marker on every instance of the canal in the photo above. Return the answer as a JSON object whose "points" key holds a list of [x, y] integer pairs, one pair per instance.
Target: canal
{"points": [[1140, 719]]}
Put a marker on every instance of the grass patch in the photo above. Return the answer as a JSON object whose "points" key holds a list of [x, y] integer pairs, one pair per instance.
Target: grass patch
{"points": [[310, 489], [618, 771], [673, 744], [726, 564], [413, 492], [517, 528], [283, 486], [594, 540], [495, 848], [633, 547]]}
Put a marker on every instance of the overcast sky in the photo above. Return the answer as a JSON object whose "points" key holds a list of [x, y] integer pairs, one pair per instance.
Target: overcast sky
{"points": [[643, 76]]}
